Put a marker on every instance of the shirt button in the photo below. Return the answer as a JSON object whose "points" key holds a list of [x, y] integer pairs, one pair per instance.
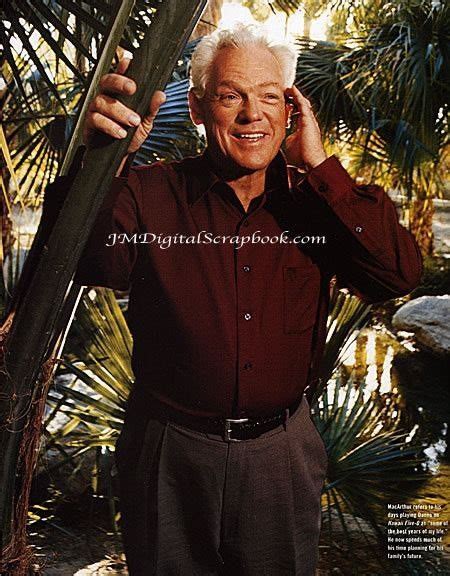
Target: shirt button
{"points": [[246, 223], [247, 316], [248, 366], [323, 188], [246, 268], [358, 229]]}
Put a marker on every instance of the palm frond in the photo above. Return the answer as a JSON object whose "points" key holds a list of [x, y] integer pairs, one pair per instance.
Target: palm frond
{"points": [[49, 49], [98, 362], [347, 316], [386, 85], [44, 299], [370, 461], [173, 135]]}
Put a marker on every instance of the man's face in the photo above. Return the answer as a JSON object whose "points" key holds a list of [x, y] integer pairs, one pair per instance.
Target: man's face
{"points": [[243, 110]]}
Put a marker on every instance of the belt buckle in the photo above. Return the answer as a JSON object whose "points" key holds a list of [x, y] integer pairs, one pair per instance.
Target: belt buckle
{"points": [[228, 430]]}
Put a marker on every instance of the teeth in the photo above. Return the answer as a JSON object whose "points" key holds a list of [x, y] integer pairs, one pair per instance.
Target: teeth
{"points": [[254, 136]]}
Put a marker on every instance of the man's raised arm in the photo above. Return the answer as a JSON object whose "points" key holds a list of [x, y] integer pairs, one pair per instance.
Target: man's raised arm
{"points": [[370, 252]]}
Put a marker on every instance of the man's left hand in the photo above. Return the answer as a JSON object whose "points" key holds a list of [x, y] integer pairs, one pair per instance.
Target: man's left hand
{"points": [[304, 147]]}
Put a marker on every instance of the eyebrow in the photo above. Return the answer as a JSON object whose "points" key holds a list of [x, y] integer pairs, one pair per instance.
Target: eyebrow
{"points": [[232, 84]]}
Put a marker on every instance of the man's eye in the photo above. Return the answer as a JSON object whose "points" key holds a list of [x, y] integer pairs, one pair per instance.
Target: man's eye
{"points": [[271, 97], [229, 97]]}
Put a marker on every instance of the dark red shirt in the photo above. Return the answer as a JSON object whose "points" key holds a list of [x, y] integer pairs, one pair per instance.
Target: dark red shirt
{"points": [[223, 326]]}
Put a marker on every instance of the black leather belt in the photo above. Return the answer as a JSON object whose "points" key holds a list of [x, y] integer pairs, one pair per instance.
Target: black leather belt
{"points": [[231, 429]]}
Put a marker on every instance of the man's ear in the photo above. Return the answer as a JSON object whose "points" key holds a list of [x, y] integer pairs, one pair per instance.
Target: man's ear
{"points": [[195, 108]]}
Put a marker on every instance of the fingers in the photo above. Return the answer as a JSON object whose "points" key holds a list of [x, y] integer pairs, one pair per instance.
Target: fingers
{"points": [[107, 126], [114, 110], [117, 84], [108, 115], [301, 102], [156, 102]]}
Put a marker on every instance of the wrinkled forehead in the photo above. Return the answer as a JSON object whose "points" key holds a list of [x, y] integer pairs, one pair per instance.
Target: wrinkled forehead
{"points": [[251, 66]]}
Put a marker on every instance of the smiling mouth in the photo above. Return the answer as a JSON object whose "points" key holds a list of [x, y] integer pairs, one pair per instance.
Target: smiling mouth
{"points": [[249, 136]]}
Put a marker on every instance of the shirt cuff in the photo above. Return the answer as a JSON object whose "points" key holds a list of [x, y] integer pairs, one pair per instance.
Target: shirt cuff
{"points": [[331, 181]]}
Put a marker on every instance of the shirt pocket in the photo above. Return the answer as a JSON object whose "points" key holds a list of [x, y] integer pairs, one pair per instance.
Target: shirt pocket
{"points": [[300, 298]]}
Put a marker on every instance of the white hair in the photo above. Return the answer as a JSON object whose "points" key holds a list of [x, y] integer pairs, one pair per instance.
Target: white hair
{"points": [[240, 36]]}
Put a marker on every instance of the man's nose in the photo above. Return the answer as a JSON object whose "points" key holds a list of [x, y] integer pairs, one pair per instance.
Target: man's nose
{"points": [[250, 110]]}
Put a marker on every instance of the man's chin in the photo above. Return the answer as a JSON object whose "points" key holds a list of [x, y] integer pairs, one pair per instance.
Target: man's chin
{"points": [[252, 163], [235, 164]]}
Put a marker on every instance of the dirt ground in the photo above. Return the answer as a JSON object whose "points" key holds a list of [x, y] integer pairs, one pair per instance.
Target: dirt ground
{"points": [[79, 541]]}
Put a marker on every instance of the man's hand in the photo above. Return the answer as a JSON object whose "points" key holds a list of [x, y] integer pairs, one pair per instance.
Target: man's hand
{"points": [[304, 147], [106, 114]]}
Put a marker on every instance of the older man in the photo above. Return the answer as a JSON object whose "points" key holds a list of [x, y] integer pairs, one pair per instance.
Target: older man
{"points": [[229, 256]]}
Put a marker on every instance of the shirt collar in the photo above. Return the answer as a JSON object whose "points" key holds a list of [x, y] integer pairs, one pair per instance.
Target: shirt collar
{"points": [[202, 178]]}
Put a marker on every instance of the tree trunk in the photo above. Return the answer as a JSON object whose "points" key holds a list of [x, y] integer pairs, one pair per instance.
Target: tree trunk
{"points": [[34, 322], [421, 218]]}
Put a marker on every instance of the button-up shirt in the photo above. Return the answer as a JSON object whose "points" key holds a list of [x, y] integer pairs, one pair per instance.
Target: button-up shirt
{"points": [[228, 308]]}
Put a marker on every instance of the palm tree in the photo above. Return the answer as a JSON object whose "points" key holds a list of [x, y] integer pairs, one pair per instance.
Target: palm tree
{"points": [[32, 331]]}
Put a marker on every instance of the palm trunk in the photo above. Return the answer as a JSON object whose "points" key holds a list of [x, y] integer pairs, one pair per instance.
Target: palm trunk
{"points": [[422, 224], [14, 493], [34, 322]]}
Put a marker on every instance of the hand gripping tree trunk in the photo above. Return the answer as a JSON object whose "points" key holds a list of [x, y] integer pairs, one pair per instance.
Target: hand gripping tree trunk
{"points": [[33, 325]]}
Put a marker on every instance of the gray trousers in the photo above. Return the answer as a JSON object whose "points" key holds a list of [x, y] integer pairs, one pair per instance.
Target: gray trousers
{"points": [[192, 504]]}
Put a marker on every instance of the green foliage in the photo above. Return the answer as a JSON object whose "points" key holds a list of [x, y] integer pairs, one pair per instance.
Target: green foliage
{"points": [[260, 9], [347, 316], [435, 279], [370, 458], [383, 92], [47, 292], [173, 135], [46, 81], [99, 357]]}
